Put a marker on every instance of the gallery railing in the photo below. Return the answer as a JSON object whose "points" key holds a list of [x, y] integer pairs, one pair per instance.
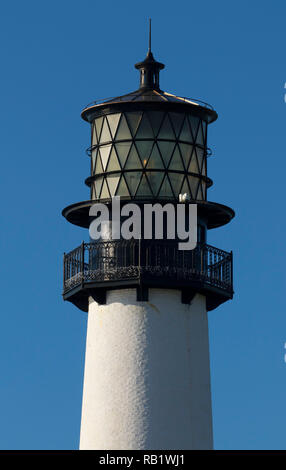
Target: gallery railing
{"points": [[120, 260]]}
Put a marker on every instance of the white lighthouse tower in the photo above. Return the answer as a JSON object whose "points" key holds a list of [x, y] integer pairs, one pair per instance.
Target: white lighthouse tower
{"points": [[147, 371]]}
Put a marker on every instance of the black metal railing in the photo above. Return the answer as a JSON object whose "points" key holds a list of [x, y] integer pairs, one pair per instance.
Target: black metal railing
{"points": [[120, 260]]}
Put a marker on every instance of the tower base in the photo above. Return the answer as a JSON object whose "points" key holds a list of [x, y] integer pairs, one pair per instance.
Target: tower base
{"points": [[147, 373]]}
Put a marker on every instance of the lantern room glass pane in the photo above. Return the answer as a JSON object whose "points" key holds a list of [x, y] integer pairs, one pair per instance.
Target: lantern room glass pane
{"points": [[155, 179], [112, 181], [122, 151], [185, 188], [94, 136], [98, 165], [193, 167], [186, 151], [133, 119], [93, 160], [104, 152], [200, 157], [105, 133], [166, 131], [98, 126], [166, 190], [185, 133], [204, 127], [200, 136], [104, 191], [176, 161], [144, 148], [133, 179], [97, 186], [156, 118], [193, 183], [123, 131], [122, 189], [176, 180], [200, 194], [92, 192], [194, 122], [177, 121], [166, 150], [155, 160], [133, 161], [204, 188], [113, 120], [144, 188], [113, 163], [204, 173], [145, 129]]}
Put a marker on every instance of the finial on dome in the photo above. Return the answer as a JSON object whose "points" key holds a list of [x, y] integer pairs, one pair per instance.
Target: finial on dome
{"points": [[149, 68]]}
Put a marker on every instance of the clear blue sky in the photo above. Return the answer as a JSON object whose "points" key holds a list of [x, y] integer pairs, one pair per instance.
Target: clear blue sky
{"points": [[56, 57]]}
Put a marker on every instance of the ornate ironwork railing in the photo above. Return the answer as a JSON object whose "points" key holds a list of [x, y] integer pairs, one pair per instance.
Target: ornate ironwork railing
{"points": [[120, 260]]}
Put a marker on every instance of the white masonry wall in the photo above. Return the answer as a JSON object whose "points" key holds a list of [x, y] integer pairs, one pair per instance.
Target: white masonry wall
{"points": [[147, 374]]}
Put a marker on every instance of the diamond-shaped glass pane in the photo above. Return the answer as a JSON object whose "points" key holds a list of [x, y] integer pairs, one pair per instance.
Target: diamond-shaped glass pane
{"points": [[144, 188], [177, 121], [185, 188], [193, 167], [97, 186], [193, 183], [122, 151], [200, 157], [113, 120], [105, 135], [133, 179], [104, 191], [122, 189], [155, 160], [93, 160], [166, 131], [94, 136], [176, 161], [204, 173], [98, 126], [112, 181], [133, 161], [185, 133], [203, 184], [104, 152], [155, 179], [186, 151], [133, 119], [123, 131], [144, 148], [113, 163], [166, 150], [194, 123], [200, 136], [204, 126], [166, 190], [200, 193], [156, 118], [92, 192], [145, 129], [176, 180]]}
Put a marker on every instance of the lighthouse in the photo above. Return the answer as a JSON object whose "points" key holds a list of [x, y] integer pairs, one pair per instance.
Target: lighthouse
{"points": [[147, 369]]}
